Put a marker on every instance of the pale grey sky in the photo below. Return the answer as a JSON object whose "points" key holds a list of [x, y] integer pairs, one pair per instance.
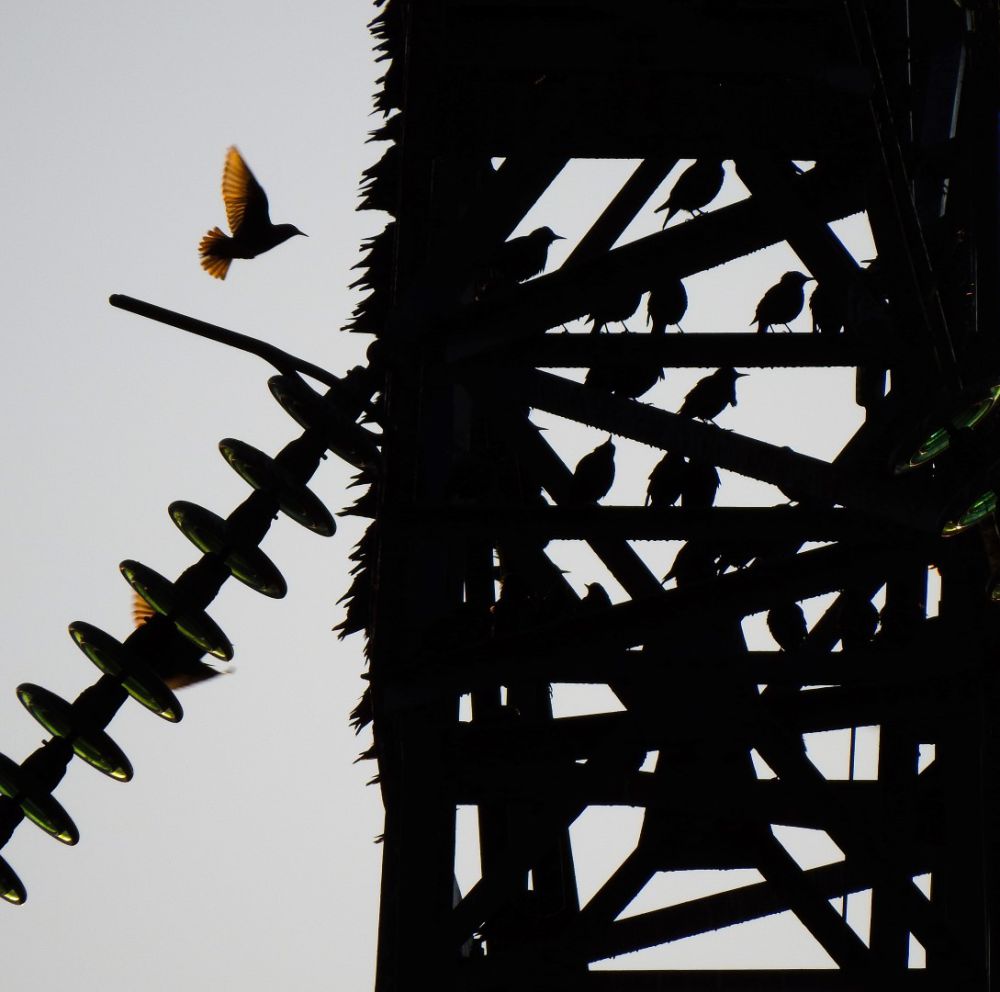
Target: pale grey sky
{"points": [[241, 855]]}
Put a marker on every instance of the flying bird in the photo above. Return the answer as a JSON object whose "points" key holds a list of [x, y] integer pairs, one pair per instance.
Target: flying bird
{"points": [[711, 395], [176, 660], [782, 302], [249, 221], [594, 474], [698, 185]]}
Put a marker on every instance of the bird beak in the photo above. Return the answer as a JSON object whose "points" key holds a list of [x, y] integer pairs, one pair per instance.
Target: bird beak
{"points": [[742, 375], [558, 237], [303, 233]]}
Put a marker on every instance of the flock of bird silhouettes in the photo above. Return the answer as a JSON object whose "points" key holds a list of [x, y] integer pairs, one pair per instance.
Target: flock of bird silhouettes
{"points": [[676, 478]]}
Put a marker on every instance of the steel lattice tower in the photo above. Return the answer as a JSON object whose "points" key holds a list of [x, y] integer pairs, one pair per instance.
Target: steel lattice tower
{"points": [[896, 104]]}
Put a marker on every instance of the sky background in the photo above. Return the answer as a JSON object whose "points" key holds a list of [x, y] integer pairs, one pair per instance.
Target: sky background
{"points": [[242, 853]]}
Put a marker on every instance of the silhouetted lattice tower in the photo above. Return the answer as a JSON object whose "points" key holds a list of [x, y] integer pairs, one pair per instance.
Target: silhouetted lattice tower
{"points": [[822, 109]]}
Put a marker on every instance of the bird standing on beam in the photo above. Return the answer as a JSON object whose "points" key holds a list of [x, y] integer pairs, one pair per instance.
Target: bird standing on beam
{"points": [[524, 257], [249, 220], [782, 302], [666, 305], [593, 475], [698, 185], [711, 395]]}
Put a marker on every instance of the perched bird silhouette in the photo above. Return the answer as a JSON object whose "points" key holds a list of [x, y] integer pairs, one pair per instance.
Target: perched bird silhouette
{"points": [[787, 624], [594, 474], [249, 220], [667, 304], [695, 562], [597, 597], [858, 620], [711, 395], [630, 379], [782, 302], [696, 187], [613, 305], [828, 306], [666, 481], [521, 258], [701, 482]]}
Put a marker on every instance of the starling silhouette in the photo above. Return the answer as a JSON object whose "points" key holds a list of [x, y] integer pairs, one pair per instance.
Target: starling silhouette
{"points": [[666, 305], [696, 187], [782, 302], [858, 620], [597, 597], [175, 659], [524, 257], [666, 481], [787, 624], [594, 474], [247, 213], [630, 380], [695, 562], [701, 482], [613, 305], [828, 306], [711, 395]]}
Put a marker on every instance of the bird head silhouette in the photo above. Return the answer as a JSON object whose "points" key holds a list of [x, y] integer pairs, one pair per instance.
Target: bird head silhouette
{"points": [[546, 234], [797, 278]]}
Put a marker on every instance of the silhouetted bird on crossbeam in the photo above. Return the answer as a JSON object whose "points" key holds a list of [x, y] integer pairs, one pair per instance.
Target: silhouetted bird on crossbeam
{"points": [[613, 305], [597, 597], [782, 302], [697, 186], [787, 624], [701, 483], [524, 257], [628, 379], [594, 474], [711, 395], [666, 305], [666, 481], [249, 220]]}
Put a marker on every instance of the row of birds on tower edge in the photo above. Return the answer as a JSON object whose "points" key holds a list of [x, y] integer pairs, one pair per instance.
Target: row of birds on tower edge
{"points": [[252, 234]]}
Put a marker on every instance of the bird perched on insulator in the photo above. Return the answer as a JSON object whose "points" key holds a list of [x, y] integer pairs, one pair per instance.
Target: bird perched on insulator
{"points": [[666, 481], [597, 597], [594, 474], [787, 624], [782, 302], [695, 562], [613, 305], [711, 395], [666, 305], [828, 306], [696, 187], [701, 483], [249, 220], [523, 257], [630, 379]]}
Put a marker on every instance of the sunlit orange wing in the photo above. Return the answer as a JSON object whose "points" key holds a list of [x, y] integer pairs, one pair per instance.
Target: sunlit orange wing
{"points": [[245, 199]]}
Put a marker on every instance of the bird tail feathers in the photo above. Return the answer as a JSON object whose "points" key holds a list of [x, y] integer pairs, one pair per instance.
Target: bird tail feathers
{"points": [[212, 262]]}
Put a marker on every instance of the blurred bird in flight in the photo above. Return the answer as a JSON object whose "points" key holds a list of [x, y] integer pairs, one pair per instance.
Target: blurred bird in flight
{"points": [[249, 220], [177, 661]]}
